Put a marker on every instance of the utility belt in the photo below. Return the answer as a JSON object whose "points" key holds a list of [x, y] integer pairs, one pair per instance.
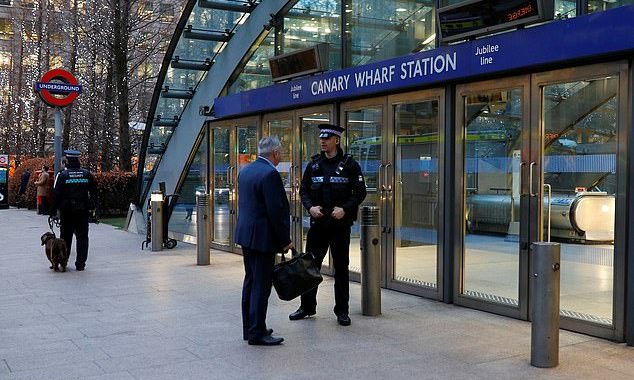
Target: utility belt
{"points": [[327, 218]]}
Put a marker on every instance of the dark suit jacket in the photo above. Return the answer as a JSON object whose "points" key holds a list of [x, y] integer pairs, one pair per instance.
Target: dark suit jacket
{"points": [[263, 211]]}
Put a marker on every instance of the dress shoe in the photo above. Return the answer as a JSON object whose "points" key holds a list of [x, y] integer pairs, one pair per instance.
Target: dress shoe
{"points": [[343, 319], [245, 335], [300, 314], [266, 340]]}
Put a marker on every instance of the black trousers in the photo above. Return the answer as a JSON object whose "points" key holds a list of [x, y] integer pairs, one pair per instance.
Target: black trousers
{"points": [[336, 235], [256, 289], [42, 208], [75, 222]]}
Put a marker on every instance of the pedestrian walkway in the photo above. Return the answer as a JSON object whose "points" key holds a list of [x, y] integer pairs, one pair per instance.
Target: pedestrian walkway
{"points": [[135, 314]]}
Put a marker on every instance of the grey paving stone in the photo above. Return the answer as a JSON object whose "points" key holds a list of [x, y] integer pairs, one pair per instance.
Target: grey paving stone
{"points": [[146, 315], [202, 369], [29, 345], [53, 359], [68, 371], [112, 376], [146, 360], [4, 368]]}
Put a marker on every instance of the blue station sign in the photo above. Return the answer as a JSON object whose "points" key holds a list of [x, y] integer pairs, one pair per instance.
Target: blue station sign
{"points": [[555, 42]]}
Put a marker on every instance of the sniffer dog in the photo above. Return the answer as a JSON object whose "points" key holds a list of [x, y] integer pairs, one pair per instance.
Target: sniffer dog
{"points": [[56, 251]]}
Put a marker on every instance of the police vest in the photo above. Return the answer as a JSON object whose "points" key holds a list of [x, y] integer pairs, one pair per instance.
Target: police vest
{"points": [[75, 190], [330, 182]]}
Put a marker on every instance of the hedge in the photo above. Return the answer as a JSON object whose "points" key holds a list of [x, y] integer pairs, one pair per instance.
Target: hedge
{"points": [[116, 189]]}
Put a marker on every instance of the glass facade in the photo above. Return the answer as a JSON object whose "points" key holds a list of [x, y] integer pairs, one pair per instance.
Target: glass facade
{"points": [[536, 160], [183, 219], [604, 5], [380, 30], [313, 22], [193, 54], [256, 72], [565, 9]]}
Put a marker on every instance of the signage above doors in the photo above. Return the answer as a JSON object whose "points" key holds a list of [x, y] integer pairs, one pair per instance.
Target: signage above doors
{"points": [[555, 42], [478, 17]]}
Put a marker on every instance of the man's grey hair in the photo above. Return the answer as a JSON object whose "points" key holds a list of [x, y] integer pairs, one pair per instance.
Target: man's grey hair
{"points": [[268, 145]]}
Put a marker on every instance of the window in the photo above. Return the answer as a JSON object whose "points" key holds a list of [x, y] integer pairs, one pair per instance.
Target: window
{"points": [[565, 9], [146, 8], [145, 40], [57, 5], [381, 30], [56, 62], [603, 5], [29, 34], [6, 29], [5, 59], [30, 60], [145, 70], [166, 12], [57, 38], [310, 23], [5, 2]]}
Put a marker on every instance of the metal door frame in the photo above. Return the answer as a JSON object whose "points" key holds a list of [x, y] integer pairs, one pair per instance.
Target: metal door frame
{"points": [[265, 131], [521, 311], [437, 94], [232, 125], [538, 80]]}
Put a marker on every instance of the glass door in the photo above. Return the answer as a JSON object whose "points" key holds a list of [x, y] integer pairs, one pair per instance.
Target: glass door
{"points": [[412, 185], [580, 175], [492, 153], [281, 125], [234, 144], [365, 124], [299, 136]]}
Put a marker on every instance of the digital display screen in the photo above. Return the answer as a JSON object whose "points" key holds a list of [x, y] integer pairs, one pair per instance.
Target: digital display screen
{"points": [[3, 175], [300, 62], [479, 17]]}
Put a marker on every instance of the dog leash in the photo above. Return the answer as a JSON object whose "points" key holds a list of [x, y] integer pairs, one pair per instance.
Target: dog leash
{"points": [[53, 222]]}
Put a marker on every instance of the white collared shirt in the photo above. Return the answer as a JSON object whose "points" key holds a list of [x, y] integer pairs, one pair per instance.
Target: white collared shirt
{"points": [[267, 160]]}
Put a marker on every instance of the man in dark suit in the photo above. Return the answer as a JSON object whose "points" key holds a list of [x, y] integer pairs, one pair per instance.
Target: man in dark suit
{"points": [[263, 229]]}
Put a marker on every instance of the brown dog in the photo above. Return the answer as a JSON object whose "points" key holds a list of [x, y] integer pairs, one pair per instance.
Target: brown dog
{"points": [[56, 251]]}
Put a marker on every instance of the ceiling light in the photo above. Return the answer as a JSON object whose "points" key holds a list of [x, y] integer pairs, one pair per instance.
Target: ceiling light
{"points": [[429, 39]]}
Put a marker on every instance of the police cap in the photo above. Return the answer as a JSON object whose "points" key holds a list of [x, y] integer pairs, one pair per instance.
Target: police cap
{"points": [[328, 130], [71, 153]]}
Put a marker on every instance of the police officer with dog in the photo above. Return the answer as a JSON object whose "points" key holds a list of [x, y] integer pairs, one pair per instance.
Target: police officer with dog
{"points": [[332, 189], [75, 197]]}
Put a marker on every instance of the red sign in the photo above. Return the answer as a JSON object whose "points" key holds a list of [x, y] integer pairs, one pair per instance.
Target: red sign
{"points": [[61, 83]]}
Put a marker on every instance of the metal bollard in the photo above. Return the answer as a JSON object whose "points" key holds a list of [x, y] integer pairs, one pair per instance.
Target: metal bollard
{"points": [[370, 261], [202, 228], [545, 304], [156, 205]]}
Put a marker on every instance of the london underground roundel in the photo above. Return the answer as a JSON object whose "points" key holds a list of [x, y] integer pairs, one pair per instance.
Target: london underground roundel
{"points": [[58, 88]]}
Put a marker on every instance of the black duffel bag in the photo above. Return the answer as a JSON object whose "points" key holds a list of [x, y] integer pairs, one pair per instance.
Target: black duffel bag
{"points": [[294, 277]]}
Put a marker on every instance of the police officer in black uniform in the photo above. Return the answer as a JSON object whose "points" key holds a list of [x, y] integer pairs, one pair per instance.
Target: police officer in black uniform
{"points": [[332, 189], [75, 197]]}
